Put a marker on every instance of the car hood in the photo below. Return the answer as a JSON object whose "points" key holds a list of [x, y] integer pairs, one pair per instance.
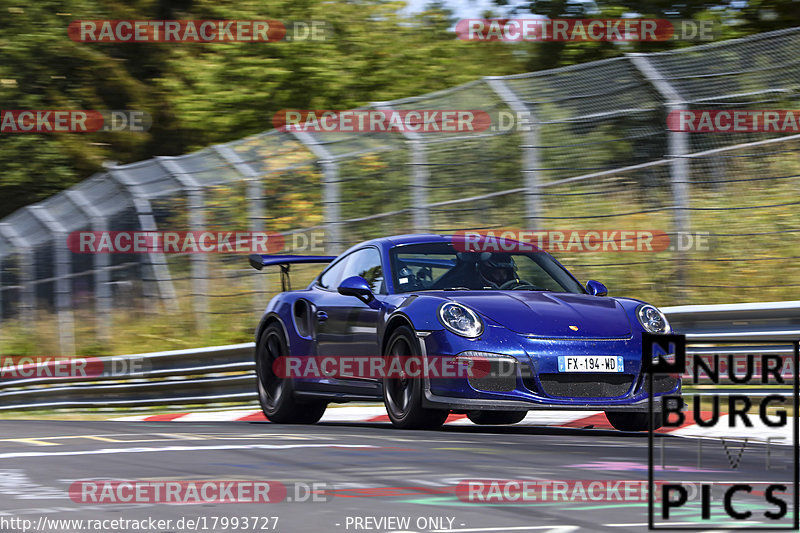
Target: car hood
{"points": [[549, 314]]}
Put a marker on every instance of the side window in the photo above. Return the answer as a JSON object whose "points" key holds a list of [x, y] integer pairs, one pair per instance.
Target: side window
{"points": [[330, 278], [367, 264]]}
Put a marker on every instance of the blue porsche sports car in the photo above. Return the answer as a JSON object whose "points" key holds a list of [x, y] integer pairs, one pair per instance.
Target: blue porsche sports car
{"points": [[516, 329]]}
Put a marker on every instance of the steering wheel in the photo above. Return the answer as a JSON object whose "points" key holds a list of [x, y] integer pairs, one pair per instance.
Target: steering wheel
{"points": [[516, 283]]}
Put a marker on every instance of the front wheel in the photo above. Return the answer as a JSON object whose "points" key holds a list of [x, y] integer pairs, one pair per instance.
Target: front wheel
{"points": [[402, 396], [496, 418], [633, 421], [276, 394]]}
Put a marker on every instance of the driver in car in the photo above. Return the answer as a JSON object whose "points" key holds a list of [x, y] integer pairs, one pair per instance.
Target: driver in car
{"points": [[498, 270]]}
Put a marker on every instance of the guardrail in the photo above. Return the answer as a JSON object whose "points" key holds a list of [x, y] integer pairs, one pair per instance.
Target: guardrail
{"points": [[219, 374], [763, 320], [196, 375]]}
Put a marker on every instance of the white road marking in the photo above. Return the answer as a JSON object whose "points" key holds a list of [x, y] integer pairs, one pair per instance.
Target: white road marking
{"points": [[184, 436], [111, 451], [219, 416], [352, 414], [17, 484], [548, 529]]}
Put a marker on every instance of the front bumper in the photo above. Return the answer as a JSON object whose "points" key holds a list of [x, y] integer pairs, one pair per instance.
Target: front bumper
{"points": [[538, 384], [435, 401]]}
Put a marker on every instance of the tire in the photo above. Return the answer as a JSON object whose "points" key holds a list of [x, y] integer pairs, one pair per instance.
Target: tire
{"points": [[403, 397], [624, 421], [275, 394], [496, 418]]}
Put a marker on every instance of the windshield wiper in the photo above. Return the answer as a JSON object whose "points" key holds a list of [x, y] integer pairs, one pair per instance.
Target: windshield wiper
{"points": [[456, 289]]}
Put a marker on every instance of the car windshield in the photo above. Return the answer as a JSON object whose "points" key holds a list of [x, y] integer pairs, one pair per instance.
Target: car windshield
{"points": [[439, 266]]}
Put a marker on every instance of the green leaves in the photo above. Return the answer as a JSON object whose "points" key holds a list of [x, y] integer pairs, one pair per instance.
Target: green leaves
{"points": [[200, 94]]}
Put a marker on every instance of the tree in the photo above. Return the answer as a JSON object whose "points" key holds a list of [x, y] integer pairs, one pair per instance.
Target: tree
{"points": [[199, 94]]}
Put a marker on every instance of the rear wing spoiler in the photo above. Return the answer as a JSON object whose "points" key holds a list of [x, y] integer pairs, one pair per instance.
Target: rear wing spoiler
{"points": [[259, 261]]}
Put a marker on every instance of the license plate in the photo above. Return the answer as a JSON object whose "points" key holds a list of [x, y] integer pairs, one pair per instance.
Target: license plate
{"points": [[590, 363]]}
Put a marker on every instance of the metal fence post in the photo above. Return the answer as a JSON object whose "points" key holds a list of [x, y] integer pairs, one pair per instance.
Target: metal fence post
{"points": [[256, 203], [678, 147], [197, 223], [529, 148], [419, 188], [27, 272], [331, 203], [63, 279], [330, 190], [420, 175], [103, 304], [159, 269], [256, 209]]}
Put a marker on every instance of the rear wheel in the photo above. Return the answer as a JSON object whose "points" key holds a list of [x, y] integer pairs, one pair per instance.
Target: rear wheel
{"points": [[402, 396], [276, 394], [633, 421], [496, 418]]}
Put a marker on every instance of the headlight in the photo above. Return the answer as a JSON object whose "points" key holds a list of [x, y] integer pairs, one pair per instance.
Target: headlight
{"points": [[460, 320], [652, 320]]}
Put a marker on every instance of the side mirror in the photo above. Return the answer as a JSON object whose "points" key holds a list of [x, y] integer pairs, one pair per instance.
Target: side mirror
{"points": [[358, 287], [595, 288]]}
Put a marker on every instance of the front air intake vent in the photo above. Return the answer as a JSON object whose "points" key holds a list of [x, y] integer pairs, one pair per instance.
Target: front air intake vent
{"points": [[575, 385]]}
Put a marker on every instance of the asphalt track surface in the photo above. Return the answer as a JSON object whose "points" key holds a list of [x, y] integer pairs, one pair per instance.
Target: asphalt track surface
{"points": [[368, 470]]}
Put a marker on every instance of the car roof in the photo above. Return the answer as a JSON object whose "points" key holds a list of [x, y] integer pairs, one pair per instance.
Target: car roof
{"points": [[418, 238], [399, 240]]}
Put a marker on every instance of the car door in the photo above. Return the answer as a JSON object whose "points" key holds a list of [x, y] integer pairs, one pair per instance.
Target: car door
{"points": [[326, 303], [346, 325]]}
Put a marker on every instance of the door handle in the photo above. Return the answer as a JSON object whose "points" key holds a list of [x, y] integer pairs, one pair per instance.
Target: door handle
{"points": [[322, 316]]}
